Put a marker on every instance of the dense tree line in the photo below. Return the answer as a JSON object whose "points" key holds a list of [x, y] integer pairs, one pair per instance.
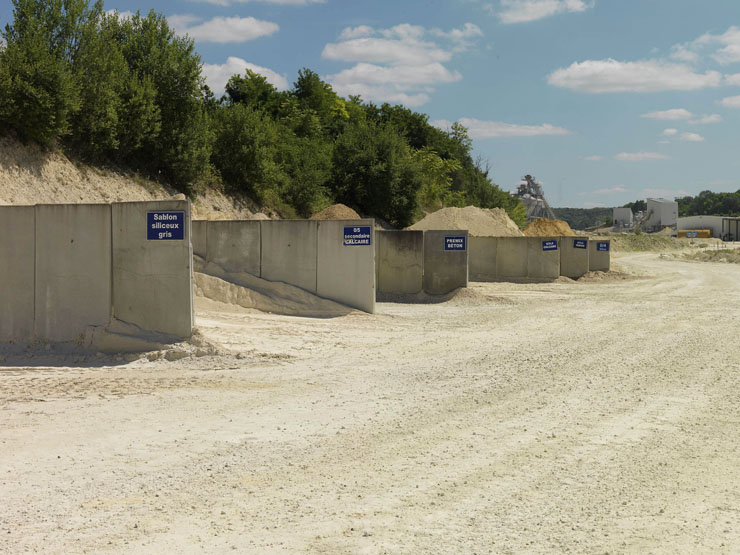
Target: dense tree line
{"points": [[708, 203], [131, 92], [582, 218]]}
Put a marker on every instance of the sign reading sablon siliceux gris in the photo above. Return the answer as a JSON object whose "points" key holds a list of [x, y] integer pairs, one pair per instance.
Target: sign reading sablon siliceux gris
{"points": [[357, 235], [165, 226], [456, 243]]}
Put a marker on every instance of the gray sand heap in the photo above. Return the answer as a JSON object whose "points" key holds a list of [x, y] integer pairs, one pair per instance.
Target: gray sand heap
{"points": [[480, 222]]}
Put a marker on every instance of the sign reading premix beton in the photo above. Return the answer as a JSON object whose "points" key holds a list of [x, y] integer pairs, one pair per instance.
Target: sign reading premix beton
{"points": [[357, 235], [165, 226], [456, 243]]}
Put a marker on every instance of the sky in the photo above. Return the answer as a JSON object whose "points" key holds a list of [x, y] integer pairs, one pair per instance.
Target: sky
{"points": [[603, 101]]}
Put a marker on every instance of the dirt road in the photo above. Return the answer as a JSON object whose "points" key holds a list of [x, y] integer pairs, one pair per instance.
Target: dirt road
{"points": [[569, 417]]}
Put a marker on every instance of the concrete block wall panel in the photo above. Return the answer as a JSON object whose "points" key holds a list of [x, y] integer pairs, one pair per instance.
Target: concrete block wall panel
{"points": [[73, 269], [573, 256], [17, 263], [511, 257], [199, 237], [599, 260], [543, 263], [289, 252], [399, 262], [444, 270], [346, 273], [152, 279], [482, 258], [235, 245]]}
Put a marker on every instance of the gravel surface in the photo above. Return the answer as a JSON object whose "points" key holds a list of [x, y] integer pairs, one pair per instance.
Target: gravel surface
{"points": [[585, 417]]}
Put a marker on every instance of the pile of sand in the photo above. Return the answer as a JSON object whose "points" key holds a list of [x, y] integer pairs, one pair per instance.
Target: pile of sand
{"points": [[336, 212], [542, 227], [480, 222]]}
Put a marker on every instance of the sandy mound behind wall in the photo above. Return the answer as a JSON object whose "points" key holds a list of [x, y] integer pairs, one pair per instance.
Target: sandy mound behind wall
{"points": [[336, 212], [542, 227], [480, 222]]}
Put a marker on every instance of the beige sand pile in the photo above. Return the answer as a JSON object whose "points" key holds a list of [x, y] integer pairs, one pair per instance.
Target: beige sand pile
{"points": [[336, 212], [542, 227], [480, 222]]}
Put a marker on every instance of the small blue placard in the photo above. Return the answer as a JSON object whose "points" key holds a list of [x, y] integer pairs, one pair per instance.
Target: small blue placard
{"points": [[692, 234], [602, 247], [549, 245], [165, 226], [580, 243], [456, 243], [357, 235]]}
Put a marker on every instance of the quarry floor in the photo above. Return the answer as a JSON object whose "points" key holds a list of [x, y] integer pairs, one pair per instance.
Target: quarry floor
{"points": [[584, 417]]}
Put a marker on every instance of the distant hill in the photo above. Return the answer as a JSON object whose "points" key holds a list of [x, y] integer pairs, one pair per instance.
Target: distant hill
{"points": [[581, 218]]}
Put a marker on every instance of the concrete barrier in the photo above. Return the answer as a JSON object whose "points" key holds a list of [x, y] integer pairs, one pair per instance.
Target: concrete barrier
{"points": [[445, 261], [599, 255], [346, 263], [73, 269], [235, 245], [290, 251], [511, 257], [543, 257], [482, 258], [574, 256], [152, 271], [17, 266], [199, 237], [399, 262]]}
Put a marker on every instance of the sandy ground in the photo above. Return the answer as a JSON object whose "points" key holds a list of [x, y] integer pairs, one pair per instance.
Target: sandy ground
{"points": [[568, 417]]}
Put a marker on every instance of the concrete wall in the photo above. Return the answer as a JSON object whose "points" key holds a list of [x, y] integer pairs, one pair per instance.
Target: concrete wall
{"points": [[17, 266], [541, 263], [399, 262], [511, 257], [73, 269], [444, 270], [573, 261], [235, 245], [152, 279], [482, 258], [199, 237], [345, 273], [599, 261], [289, 252]]}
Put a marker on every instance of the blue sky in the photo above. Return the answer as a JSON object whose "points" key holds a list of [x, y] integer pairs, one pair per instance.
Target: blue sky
{"points": [[604, 101]]}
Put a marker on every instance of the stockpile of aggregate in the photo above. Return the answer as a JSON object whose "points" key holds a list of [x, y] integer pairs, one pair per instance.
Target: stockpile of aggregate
{"points": [[480, 222], [336, 212], [542, 227]]}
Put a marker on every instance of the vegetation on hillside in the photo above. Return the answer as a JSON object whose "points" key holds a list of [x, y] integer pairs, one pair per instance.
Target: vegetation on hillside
{"points": [[130, 91], [708, 203], [582, 218]]}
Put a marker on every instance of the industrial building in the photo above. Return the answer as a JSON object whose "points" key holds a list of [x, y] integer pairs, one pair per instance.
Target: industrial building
{"points": [[722, 227], [622, 217], [660, 213]]}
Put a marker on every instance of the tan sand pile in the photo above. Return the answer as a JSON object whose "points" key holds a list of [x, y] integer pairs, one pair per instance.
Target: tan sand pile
{"points": [[480, 222], [336, 212], [542, 227]]}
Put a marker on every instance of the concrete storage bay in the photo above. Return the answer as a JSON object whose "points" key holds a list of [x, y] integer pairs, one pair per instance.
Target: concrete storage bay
{"points": [[444, 270], [399, 262]]}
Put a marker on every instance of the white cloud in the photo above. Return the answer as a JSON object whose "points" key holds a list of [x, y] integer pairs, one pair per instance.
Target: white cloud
{"points": [[663, 193], [400, 64], [670, 132], [278, 2], [607, 76], [733, 79], [640, 156], [480, 129], [594, 158], [710, 118], [692, 137], [126, 14], [731, 102], [675, 114], [664, 142], [222, 29], [523, 11], [612, 191], [726, 45], [218, 75]]}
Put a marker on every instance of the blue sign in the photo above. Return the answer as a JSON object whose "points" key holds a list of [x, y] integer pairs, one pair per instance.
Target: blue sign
{"points": [[692, 234], [603, 247], [549, 245], [456, 243], [580, 243], [357, 235], [165, 226]]}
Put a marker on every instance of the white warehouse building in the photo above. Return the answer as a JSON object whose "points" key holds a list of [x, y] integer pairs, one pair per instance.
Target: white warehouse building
{"points": [[661, 213], [622, 217]]}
